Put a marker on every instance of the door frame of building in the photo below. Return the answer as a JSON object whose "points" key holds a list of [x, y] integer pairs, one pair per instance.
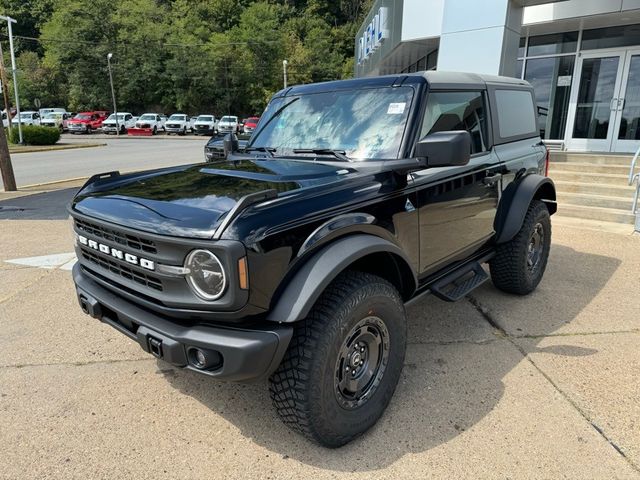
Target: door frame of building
{"points": [[590, 144], [617, 144]]}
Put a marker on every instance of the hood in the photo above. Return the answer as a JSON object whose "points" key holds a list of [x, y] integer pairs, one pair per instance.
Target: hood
{"points": [[191, 201], [79, 120]]}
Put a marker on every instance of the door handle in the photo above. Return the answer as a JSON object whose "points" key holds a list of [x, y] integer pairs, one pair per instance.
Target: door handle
{"points": [[613, 104], [491, 180]]}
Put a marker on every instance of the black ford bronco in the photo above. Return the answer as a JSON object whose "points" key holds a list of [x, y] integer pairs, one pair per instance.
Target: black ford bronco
{"points": [[292, 257]]}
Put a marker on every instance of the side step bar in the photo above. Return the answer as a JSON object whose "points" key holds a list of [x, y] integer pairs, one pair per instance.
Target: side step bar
{"points": [[458, 283]]}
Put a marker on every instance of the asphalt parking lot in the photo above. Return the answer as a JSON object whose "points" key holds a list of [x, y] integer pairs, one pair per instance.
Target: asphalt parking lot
{"points": [[494, 386]]}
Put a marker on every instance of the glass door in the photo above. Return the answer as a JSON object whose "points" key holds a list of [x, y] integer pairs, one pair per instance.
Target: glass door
{"points": [[627, 126], [592, 116]]}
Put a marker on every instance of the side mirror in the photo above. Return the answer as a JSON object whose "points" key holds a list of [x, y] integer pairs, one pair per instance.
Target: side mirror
{"points": [[445, 149], [230, 144]]}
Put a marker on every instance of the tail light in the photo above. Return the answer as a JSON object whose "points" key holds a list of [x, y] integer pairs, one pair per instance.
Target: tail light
{"points": [[546, 163]]}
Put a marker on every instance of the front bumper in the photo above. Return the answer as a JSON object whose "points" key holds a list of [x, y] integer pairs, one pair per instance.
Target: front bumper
{"points": [[246, 354], [77, 127]]}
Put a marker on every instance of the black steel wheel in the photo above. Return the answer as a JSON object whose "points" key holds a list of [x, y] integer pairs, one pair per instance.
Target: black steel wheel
{"points": [[361, 363], [519, 264], [344, 360]]}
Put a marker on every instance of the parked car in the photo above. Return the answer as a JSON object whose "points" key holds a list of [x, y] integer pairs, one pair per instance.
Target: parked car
{"points": [[228, 124], [125, 122], [5, 120], [179, 123], [27, 118], [250, 125], [86, 122], [43, 111], [205, 125], [293, 260], [153, 121], [57, 120]]}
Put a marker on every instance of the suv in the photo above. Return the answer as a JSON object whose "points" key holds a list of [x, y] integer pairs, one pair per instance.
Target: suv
{"points": [[293, 259], [27, 118]]}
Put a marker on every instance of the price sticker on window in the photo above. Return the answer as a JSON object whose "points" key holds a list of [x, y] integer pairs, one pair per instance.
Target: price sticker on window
{"points": [[396, 108]]}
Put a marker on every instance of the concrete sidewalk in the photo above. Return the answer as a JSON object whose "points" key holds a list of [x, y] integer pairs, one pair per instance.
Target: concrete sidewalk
{"points": [[494, 386]]}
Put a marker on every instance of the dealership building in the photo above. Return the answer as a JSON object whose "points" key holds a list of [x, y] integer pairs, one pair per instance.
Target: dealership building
{"points": [[581, 56]]}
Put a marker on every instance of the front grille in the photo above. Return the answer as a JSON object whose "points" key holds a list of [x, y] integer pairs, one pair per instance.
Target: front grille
{"points": [[121, 270], [131, 241], [172, 125]]}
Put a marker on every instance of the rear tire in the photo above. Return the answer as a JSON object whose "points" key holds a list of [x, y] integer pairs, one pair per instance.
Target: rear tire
{"points": [[519, 264], [344, 361]]}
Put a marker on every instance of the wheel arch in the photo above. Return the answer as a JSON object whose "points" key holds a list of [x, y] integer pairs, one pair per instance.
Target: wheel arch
{"points": [[515, 202], [367, 253]]}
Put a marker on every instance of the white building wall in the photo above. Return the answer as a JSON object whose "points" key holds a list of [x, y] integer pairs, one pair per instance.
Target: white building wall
{"points": [[483, 40], [575, 8], [422, 19]]}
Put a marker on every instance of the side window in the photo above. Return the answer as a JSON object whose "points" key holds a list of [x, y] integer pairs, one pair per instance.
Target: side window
{"points": [[516, 116], [127, 117], [457, 111]]}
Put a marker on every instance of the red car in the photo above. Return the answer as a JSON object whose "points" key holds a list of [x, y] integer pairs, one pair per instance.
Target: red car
{"points": [[86, 122], [250, 125]]}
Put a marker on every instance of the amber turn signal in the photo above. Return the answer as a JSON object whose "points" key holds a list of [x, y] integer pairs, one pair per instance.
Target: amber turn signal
{"points": [[242, 273]]}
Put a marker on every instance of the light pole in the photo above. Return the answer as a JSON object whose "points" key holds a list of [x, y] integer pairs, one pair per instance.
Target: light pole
{"points": [[10, 21], [113, 94], [284, 71]]}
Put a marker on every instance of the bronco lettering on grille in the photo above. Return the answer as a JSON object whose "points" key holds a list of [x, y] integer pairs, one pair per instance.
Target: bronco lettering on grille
{"points": [[115, 253]]}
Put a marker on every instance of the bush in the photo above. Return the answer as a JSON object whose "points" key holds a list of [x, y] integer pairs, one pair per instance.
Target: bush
{"points": [[35, 135]]}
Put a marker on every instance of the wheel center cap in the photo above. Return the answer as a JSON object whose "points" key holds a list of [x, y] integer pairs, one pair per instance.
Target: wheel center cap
{"points": [[355, 359]]}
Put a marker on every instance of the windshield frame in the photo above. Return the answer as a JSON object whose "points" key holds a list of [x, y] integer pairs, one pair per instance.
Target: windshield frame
{"points": [[406, 136]]}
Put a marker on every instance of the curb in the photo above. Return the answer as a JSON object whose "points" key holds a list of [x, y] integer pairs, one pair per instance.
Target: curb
{"points": [[66, 180], [54, 148]]}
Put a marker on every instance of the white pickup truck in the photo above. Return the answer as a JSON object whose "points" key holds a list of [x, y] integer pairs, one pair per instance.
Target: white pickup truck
{"points": [[125, 122], [228, 124], [154, 121], [179, 123], [205, 125], [27, 118]]}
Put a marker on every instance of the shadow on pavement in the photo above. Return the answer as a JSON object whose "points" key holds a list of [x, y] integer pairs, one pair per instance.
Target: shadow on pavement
{"points": [[445, 388], [39, 206]]}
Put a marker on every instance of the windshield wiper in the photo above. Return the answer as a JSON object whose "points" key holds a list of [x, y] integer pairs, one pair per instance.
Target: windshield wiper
{"points": [[268, 150], [339, 154]]}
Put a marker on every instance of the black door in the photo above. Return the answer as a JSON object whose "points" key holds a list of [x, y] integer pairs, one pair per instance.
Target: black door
{"points": [[457, 205]]}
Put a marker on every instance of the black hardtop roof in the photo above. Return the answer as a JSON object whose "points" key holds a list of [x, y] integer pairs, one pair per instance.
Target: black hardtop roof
{"points": [[435, 79]]}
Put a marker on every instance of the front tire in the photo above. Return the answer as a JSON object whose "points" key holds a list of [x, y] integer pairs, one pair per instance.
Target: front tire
{"points": [[519, 264], [344, 361]]}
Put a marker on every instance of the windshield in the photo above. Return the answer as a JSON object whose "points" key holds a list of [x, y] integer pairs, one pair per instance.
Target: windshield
{"points": [[52, 116], [205, 118], [120, 116], [26, 115], [147, 116], [364, 123], [177, 117], [229, 119], [82, 116]]}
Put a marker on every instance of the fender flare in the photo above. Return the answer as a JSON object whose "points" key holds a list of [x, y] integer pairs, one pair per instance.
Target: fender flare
{"points": [[515, 202], [305, 287]]}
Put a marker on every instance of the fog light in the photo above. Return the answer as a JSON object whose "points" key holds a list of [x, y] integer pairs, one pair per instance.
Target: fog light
{"points": [[204, 359], [201, 359]]}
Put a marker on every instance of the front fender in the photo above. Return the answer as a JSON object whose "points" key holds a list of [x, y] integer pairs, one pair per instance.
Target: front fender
{"points": [[306, 286], [515, 202]]}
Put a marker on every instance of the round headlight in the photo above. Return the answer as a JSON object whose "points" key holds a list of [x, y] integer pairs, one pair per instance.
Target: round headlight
{"points": [[206, 276]]}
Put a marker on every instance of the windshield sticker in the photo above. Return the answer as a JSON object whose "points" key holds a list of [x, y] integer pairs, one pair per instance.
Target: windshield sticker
{"points": [[396, 108]]}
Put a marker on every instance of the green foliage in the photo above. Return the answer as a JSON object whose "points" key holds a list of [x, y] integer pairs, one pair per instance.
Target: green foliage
{"points": [[196, 56], [35, 135]]}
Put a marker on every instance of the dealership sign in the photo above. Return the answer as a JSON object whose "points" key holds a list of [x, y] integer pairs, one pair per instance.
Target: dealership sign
{"points": [[373, 36]]}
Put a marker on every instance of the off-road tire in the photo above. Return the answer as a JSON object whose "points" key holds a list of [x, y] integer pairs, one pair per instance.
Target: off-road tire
{"points": [[303, 388], [509, 267]]}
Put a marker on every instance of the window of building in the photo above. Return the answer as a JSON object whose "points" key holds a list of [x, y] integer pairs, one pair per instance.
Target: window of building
{"points": [[611, 37], [457, 111], [516, 117], [551, 78], [554, 43]]}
